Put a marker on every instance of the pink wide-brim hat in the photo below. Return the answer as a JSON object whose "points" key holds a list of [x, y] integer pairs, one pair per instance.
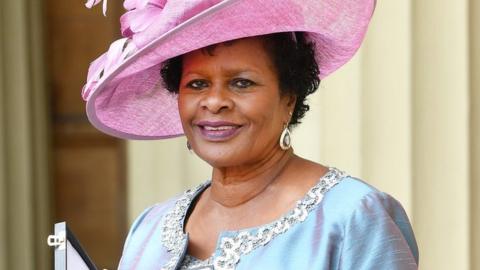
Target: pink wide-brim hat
{"points": [[125, 93]]}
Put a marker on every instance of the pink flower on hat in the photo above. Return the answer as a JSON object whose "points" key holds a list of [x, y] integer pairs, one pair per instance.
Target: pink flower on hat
{"points": [[140, 15]]}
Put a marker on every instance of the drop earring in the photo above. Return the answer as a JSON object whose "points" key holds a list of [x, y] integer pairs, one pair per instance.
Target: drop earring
{"points": [[285, 139], [189, 146]]}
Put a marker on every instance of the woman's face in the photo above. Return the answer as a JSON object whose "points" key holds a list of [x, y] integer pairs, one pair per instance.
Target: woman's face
{"points": [[230, 104]]}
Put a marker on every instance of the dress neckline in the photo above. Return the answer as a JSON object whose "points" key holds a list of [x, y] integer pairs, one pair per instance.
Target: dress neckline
{"points": [[232, 244]]}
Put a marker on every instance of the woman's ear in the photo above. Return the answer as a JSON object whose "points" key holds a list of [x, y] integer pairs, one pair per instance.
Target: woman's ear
{"points": [[290, 103]]}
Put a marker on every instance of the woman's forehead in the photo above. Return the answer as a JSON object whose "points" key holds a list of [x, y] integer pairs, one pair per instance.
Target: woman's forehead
{"points": [[247, 41], [247, 53]]}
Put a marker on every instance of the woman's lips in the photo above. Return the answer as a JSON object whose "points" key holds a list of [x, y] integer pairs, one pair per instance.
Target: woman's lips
{"points": [[217, 130]]}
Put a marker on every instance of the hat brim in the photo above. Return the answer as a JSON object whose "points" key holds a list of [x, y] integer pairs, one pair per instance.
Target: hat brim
{"points": [[130, 101]]}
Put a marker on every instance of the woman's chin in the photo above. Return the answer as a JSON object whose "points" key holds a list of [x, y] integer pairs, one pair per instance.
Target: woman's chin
{"points": [[221, 155]]}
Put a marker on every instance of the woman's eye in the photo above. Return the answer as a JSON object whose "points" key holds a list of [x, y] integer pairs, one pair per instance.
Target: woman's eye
{"points": [[242, 83], [197, 84]]}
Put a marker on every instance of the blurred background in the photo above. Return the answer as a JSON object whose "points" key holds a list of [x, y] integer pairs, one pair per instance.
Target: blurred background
{"points": [[404, 115]]}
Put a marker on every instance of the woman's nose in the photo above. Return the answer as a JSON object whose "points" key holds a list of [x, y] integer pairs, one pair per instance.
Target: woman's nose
{"points": [[216, 100]]}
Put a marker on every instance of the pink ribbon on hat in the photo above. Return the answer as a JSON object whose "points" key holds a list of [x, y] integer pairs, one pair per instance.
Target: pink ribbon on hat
{"points": [[140, 15], [116, 54], [92, 3]]}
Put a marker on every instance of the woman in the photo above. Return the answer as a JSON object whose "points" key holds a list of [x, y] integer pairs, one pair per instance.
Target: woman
{"points": [[235, 93]]}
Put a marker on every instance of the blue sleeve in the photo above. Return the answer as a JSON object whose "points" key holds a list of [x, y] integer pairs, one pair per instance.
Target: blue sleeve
{"points": [[378, 235]]}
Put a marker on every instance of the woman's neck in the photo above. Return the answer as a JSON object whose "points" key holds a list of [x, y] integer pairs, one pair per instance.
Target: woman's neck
{"points": [[232, 187]]}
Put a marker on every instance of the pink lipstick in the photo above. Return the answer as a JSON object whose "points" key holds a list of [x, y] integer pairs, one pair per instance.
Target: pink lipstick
{"points": [[218, 130]]}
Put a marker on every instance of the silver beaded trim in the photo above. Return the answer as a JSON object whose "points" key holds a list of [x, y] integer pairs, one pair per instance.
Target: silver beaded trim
{"points": [[173, 237], [232, 248], [192, 263]]}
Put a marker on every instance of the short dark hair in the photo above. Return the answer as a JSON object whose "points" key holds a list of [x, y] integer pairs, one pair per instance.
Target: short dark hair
{"points": [[294, 59]]}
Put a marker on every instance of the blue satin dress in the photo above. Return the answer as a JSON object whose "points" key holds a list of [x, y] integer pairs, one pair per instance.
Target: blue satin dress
{"points": [[341, 223]]}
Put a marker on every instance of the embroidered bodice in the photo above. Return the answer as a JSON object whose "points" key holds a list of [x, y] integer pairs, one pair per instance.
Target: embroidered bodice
{"points": [[243, 241]]}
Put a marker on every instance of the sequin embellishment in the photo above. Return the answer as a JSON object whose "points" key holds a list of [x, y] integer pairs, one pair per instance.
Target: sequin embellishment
{"points": [[173, 237], [192, 263]]}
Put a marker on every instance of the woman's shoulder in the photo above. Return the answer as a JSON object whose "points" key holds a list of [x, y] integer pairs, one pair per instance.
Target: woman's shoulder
{"points": [[152, 213], [369, 218], [352, 194], [354, 201]]}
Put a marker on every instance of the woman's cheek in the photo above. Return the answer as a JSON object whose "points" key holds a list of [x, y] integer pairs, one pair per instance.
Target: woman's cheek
{"points": [[186, 111]]}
